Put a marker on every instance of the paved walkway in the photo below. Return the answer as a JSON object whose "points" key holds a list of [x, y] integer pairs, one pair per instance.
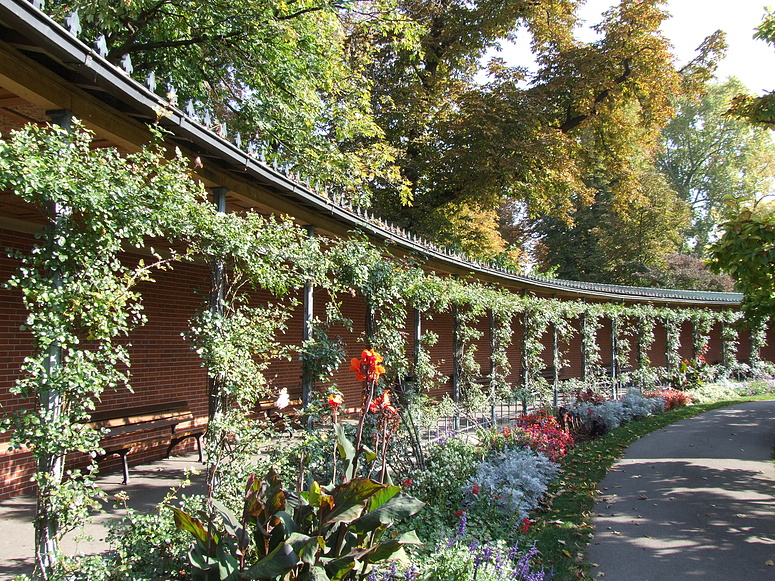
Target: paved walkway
{"points": [[695, 500], [148, 485]]}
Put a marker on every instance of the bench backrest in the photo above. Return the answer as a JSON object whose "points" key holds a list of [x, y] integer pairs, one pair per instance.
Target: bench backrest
{"points": [[157, 414]]}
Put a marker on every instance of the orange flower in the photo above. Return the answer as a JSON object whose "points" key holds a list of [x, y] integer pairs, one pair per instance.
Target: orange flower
{"points": [[335, 400], [368, 367], [383, 403]]}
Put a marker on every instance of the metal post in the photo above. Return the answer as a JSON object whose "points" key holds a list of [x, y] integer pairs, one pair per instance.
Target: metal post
{"points": [[493, 418], [584, 366], [614, 348], [216, 396], [417, 337], [556, 365], [724, 345], [525, 362], [555, 362], [456, 356], [307, 381]]}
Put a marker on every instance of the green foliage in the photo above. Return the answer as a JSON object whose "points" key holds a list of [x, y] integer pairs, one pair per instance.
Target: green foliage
{"points": [[288, 75], [758, 110], [746, 251], [79, 295], [611, 240], [450, 461], [323, 532], [708, 154]]}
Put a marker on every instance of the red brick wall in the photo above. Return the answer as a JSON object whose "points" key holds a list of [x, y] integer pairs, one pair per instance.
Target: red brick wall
{"points": [[15, 467], [713, 354], [657, 352]]}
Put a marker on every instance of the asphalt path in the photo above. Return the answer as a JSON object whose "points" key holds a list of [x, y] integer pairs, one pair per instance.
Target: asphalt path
{"points": [[694, 500]]}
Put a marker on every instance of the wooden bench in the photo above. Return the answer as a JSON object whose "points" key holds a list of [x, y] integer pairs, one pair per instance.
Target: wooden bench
{"points": [[135, 426]]}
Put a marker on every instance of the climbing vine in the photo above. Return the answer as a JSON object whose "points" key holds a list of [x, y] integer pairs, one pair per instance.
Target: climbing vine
{"points": [[758, 339], [82, 303], [591, 323], [80, 296]]}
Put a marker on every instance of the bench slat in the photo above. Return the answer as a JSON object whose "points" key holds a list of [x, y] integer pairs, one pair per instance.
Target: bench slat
{"points": [[138, 411]]}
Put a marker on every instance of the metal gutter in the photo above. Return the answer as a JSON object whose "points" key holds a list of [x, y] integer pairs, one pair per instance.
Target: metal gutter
{"points": [[77, 56]]}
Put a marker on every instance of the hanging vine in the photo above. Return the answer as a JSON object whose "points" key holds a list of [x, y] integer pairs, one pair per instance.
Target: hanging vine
{"points": [[80, 296], [730, 336], [758, 340]]}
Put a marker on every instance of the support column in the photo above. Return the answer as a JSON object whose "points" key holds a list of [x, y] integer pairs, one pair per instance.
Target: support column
{"points": [[51, 400], [493, 416], [724, 345], [417, 337], [555, 362], [525, 364], [614, 349], [583, 328], [369, 325], [456, 357], [307, 381], [216, 397]]}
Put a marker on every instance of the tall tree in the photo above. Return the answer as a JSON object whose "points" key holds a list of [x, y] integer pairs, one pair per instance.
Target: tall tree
{"points": [[283, 73], [612, 240], [591, 108], [708, 154]]}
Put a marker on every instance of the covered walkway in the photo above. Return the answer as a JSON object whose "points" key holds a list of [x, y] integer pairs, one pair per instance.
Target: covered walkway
{"points": [[695, 500]]}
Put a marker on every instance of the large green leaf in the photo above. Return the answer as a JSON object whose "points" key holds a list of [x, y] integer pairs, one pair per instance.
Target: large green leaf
{"points": [[233, 525], [316, 573], [346, 451], [395, 509], [276, 563], [393, 548], [306, 547], [350, 500], [186, 522]]}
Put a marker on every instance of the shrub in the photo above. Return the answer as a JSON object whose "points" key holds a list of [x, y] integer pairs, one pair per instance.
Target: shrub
{"points": [[447, 462], [546, 437], [455, 561], [599, 418], [674, 398], [513, 480], [638, 406]]}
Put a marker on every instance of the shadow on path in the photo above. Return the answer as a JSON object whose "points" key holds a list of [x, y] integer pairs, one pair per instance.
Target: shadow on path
{"points": [[148, 485], [695, 500]]}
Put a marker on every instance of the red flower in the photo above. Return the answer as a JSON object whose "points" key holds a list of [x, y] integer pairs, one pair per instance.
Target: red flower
{"points": [[335, 400], [407, 483], [368, 367], [525, 525], [459, 513], [383, 403], [476, 489]]}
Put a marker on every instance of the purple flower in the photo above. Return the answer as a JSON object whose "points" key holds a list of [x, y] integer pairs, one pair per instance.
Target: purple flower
{"points": [[411, 573], [498, 563]]}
